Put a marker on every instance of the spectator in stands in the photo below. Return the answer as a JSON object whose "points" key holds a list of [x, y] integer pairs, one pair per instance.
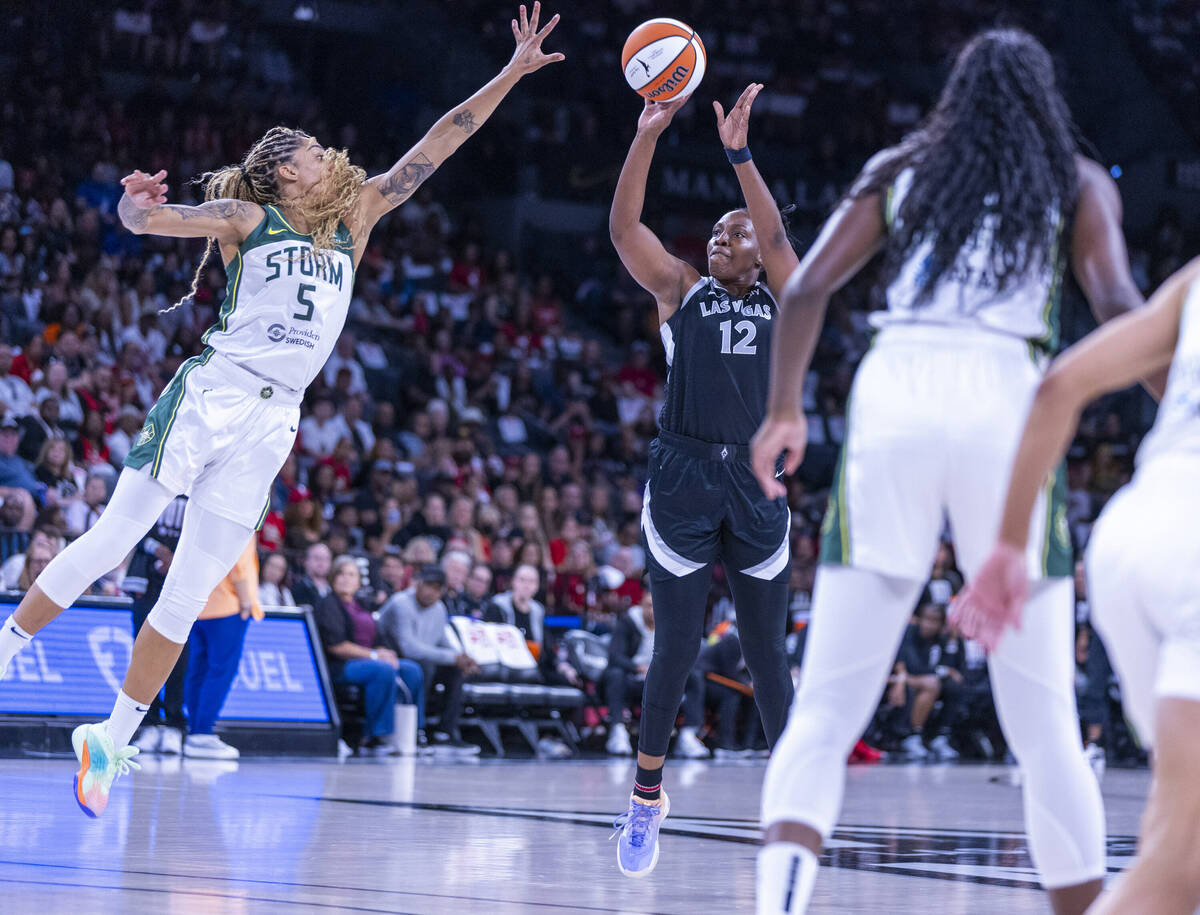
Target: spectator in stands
{"points": [[349, 635], [726, 683], [477, 593], [320, 432], [39, 426], [56, 471], [81, 514], [13, 470], [15, 394], [517, 607], [413, 623], [629, 654], [429, 523], [123, 437], [17, 515], [214, 652], [314, 584], [272, 583], [456, 565], [37, 557], [969, 712], [916, 684]]}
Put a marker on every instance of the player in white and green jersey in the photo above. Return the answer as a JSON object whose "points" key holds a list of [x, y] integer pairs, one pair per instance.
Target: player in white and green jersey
{"points": [[291, 222], [976, 215]]}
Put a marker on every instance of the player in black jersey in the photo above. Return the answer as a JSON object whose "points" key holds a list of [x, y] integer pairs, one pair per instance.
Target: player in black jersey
{"points": [[702, 502]]}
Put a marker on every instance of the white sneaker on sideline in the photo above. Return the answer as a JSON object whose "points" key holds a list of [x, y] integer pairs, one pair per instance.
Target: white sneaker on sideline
{"points": [[1097, 759], [913, 747], [172, 742], [940, 747], [689, 745], [208, 746], [618, 741], [149, 739]]}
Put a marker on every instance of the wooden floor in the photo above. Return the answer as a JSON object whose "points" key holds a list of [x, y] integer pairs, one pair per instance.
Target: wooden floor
{"points": [[502, 837]]}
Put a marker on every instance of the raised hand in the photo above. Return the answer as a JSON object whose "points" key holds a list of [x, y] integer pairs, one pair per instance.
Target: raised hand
{"points": [[777, 435], [656, 116], [529, 55], [734, 127], [995, 599], [146, 191]]}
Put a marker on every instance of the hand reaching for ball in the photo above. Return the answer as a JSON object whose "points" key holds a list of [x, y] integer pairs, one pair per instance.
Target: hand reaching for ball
{"points": [[734, 127], [529, 55], [657, 115]]}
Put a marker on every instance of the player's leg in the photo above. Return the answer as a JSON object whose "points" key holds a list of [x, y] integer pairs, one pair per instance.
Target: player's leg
{"points": [[1032, 675], [761, 608], [209, 545], [756, 553], [857, 621], [1141, 570], [1165, 876], [136, 503], [679, 605]]}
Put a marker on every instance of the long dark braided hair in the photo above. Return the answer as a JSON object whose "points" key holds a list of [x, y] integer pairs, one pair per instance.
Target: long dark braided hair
{"points": [[1001, 143]]}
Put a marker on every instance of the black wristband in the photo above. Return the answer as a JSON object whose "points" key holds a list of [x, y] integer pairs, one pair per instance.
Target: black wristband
{"points": [[737, 156]]}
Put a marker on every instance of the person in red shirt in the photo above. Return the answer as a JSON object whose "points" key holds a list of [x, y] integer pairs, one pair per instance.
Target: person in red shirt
{"points": [[637, 372]]}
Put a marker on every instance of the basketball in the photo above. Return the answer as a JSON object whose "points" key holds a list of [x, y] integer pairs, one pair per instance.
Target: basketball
{"points": [[663, 59]]}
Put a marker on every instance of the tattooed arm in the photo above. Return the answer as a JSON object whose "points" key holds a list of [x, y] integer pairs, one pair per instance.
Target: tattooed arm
{"points": [[387, 191], [144, 211]]}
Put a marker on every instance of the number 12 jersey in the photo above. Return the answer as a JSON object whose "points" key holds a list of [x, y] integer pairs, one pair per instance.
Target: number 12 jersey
{"points": [[718, 363]]}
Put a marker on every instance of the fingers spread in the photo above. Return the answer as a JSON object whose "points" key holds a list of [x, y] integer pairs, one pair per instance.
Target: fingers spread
{"points": [[550, 26]]}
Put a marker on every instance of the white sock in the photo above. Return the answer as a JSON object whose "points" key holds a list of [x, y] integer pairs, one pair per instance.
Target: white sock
{"points": [[12, 639], [126, 717], [786, 874]]}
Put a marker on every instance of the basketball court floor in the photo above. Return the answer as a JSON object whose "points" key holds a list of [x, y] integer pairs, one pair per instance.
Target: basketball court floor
{"points": [[502, 837]]}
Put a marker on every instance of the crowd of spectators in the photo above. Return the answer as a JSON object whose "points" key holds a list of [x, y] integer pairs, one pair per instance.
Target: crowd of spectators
{"points": [[483, 410]]}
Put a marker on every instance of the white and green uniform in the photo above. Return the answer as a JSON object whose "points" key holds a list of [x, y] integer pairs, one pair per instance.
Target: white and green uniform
{"points": [[1144, 550], [226, 422], [936, 413]]}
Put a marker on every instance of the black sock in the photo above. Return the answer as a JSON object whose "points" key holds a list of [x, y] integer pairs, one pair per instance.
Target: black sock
{"points": [[647, 784]]}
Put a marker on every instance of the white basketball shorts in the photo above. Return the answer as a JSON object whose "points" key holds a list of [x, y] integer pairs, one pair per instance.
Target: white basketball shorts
{"points": [[219, 433], [933, 423]]}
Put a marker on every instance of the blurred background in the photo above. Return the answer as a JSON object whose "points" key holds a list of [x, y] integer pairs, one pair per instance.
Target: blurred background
{"points": [[496, 387]]}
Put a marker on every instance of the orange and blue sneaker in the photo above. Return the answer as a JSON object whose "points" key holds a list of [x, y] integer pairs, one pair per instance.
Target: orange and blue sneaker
{"points": [[99, 765]]}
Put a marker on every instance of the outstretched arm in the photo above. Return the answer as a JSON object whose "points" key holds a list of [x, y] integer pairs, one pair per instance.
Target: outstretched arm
{"points": [[778, 256], [662, 275], [387, 191], [851, 237], [1132, 346], [144, 210]]}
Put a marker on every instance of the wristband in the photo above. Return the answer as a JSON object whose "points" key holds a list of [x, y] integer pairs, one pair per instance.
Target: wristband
{"points": [[374, 655], [738, 156]]}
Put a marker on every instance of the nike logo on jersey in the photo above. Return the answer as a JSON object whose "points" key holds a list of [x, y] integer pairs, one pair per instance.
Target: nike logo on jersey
{"points": [[276, 231], [293, 428]]}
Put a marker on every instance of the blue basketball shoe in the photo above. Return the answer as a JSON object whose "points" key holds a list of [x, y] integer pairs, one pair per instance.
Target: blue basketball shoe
{"points": [[637, 847]]}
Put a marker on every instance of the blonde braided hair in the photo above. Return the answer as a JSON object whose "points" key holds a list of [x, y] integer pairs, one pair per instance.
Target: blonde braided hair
{"points": [[256, 180]]}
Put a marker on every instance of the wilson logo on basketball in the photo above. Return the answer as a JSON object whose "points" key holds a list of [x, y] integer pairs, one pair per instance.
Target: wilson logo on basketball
{"points": [[677, 78]]}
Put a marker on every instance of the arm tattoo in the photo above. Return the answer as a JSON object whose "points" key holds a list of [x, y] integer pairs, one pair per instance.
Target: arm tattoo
{"points": [[466, 120], [221, 209], [400, 186], [132, 216]]}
